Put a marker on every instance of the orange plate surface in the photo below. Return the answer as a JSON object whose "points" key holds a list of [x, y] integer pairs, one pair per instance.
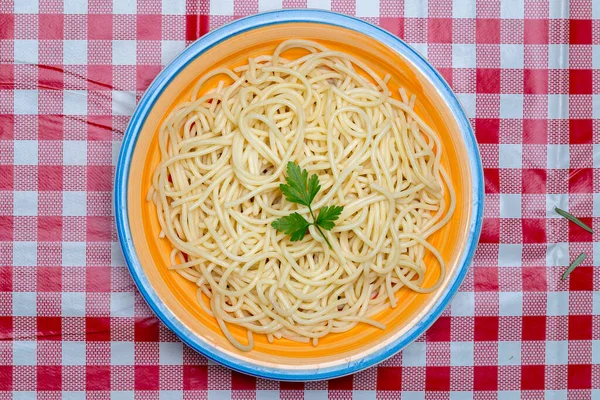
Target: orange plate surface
{"points": [[179, 294]]}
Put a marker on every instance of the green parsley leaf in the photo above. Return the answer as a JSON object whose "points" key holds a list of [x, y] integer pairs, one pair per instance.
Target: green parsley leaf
{"points": [[327, 216], [294, 225], [313, 187], [297, 181], [301, 189]]}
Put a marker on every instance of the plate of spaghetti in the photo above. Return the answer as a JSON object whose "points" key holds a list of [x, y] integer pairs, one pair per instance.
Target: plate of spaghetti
{"points": [[298, 195]]}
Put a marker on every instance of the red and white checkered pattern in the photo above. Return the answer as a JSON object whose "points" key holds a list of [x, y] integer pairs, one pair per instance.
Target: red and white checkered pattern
{"points": [[71, 320]]}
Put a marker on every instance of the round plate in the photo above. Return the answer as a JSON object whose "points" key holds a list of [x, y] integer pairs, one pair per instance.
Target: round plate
{"points": [[173, 298]]}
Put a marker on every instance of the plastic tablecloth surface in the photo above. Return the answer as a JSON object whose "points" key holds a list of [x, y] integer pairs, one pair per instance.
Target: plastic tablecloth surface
{"points": [[72, 324]]}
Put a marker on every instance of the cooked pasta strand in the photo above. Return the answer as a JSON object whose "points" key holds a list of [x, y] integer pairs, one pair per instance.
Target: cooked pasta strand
{"points": [[216, 190]]}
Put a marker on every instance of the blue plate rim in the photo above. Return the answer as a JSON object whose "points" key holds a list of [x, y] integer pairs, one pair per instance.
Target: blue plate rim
{"points": [[153, 93]]}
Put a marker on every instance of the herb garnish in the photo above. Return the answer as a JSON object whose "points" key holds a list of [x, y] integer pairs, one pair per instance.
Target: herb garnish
{"points": [[573, 219], [581, 224], [302, 190], [573, 265]]}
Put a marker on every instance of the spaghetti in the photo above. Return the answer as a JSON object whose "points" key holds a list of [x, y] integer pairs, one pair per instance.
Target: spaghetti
{"points": [[216, 190]]}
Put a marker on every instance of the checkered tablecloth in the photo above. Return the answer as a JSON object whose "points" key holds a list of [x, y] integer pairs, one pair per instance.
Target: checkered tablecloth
{"points": [[71, 320]]}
